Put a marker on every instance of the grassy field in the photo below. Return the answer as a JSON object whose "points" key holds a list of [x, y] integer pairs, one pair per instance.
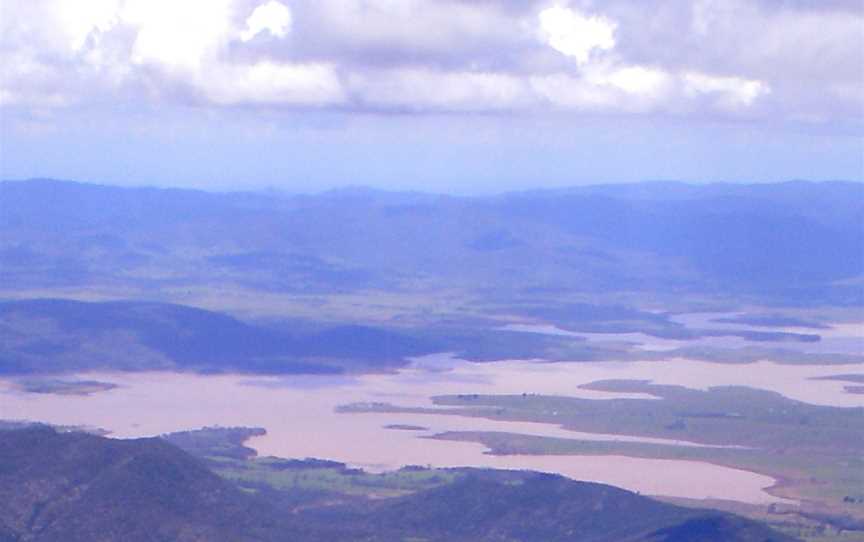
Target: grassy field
{"points": [[338, 479], [223, 448]]}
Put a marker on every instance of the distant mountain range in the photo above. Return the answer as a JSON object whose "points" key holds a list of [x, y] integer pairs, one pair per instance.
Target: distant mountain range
{"points": [[71, 487], [795, 243]]}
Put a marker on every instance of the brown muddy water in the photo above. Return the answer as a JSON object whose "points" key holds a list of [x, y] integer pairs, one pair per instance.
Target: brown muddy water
{"points": [[301, 421]]}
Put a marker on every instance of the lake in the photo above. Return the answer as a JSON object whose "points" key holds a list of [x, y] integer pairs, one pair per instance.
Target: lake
{"points": [[299, 414]]}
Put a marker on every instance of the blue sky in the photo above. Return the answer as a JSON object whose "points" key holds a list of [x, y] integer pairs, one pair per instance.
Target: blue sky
{"points": [[448, 95]]}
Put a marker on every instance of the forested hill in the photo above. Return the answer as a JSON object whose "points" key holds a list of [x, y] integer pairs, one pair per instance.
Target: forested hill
{"points": [[73, 487]]}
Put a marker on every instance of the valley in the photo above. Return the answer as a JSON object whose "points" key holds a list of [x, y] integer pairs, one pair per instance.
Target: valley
{"points": [[637, 357]]}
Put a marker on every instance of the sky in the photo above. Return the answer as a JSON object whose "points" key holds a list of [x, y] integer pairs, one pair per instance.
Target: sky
{"points": [[461, 96]]}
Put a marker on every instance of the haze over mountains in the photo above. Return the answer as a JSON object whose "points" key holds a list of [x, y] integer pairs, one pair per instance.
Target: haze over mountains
{"points": [[327, 271], [790, 243]]}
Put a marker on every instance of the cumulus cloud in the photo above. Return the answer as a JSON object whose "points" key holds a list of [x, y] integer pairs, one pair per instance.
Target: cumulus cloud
{"points": [[177, 34], [732, 92], [755, 57], [406, 31], [269, 83], [636, 80], [82, 20], [575, 34], [424, 89], [274, 17], [570, 92]]}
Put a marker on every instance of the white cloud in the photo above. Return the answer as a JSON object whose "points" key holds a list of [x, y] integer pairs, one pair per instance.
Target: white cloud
{"points": [[602, 83], [273, 84], [574, 34], [410, 27], [273, 17], [570, 92], [81, 20], [425, 89], [624, 90], [731, 92], [437, 55], [37, 99], [177, 34], [635, 80]]}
